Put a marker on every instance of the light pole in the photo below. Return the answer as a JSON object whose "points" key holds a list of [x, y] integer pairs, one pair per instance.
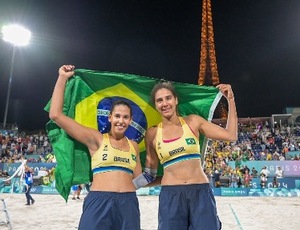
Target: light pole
{"points": [[17, 36]]}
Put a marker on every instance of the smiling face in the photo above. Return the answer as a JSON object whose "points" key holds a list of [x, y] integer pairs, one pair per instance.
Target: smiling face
{"points": [[165, 102], [120, 118], [164, 96]]}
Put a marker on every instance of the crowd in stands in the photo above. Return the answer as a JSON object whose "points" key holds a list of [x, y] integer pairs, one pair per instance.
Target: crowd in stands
{"points": [[255, 142], [17, 146]]}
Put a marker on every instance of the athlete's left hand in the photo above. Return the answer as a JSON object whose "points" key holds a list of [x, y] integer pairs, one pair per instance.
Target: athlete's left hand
{"points": [[226, 90]]}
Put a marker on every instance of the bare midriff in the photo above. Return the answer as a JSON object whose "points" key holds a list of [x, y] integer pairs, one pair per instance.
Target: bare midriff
{"points": [[185, 172], [113, 181]]}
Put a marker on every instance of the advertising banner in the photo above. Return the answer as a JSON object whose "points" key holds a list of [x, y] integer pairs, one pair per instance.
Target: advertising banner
{"points": [[44, 183], [290, 168]]}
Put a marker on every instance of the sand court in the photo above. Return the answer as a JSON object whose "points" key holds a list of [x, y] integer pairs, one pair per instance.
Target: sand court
{"points": [[51, 212]]}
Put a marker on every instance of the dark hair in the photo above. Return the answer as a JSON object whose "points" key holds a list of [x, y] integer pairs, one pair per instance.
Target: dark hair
{"points": [[120, 102], [162, 85]]}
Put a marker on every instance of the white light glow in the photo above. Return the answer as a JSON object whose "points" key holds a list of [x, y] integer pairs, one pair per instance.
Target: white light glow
{"points": [[16, 34]]}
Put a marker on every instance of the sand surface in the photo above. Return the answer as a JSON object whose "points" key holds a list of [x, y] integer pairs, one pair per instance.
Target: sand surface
{"points": [[51, 212]]}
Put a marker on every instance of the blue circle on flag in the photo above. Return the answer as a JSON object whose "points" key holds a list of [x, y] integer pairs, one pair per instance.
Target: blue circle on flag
{"points": [[137, 128]]}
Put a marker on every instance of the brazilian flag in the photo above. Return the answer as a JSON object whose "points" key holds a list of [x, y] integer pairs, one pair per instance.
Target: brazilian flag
{"points": [[88, 99]]}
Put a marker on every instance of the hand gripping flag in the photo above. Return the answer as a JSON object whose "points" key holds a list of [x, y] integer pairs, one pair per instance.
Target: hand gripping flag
{"points": [[88, 99]]}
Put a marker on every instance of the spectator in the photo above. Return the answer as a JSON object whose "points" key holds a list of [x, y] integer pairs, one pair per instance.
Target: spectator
{"points": [[234, 179], [28, 184], [217, 178], [247, 179], [263, 180], [240, 182], [254, 172], [265, 171], [275, 183], [76, 191], [269, 156], [281, 157], [279, 173]]}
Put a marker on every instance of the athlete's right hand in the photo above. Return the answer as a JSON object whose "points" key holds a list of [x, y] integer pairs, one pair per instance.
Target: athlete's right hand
{"points": [[66, 71]]}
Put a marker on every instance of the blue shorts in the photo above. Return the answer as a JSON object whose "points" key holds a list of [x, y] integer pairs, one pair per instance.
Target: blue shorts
{"points": [[110, 211], [190, 207]]}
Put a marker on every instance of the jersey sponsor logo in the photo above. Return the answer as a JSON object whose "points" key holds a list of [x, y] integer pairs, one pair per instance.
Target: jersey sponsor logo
{"points": [[161, 156], [105, 148], [175, 151], [122, 159], [158, 145], [190, 141]]}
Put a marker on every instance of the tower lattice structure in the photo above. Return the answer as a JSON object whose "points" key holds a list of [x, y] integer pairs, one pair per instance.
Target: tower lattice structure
{"points": [[208, 71]]}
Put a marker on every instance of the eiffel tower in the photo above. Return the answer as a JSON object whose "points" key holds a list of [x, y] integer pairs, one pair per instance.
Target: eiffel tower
{"points": [[208, 72]]}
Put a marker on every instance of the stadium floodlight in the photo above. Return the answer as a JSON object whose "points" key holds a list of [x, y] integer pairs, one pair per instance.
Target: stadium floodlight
{"points": [[17, 36]]}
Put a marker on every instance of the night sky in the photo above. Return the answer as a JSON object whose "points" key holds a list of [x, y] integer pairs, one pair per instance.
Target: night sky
{"points": [[257, 47]]}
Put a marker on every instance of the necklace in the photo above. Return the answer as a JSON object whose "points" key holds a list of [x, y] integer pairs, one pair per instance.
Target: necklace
{"points": [[118, 144]]}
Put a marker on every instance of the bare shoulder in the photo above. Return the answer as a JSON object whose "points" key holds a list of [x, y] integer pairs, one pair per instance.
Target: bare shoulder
{"points": [[135, 145], [195, 122], [93, 140], [95, 134], [151, 132], [150, 138], [193, 118]]}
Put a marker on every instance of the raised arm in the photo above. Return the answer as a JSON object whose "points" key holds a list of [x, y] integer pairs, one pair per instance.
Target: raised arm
{"points": [[232, 119], [214, 131], [90, 137]]}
